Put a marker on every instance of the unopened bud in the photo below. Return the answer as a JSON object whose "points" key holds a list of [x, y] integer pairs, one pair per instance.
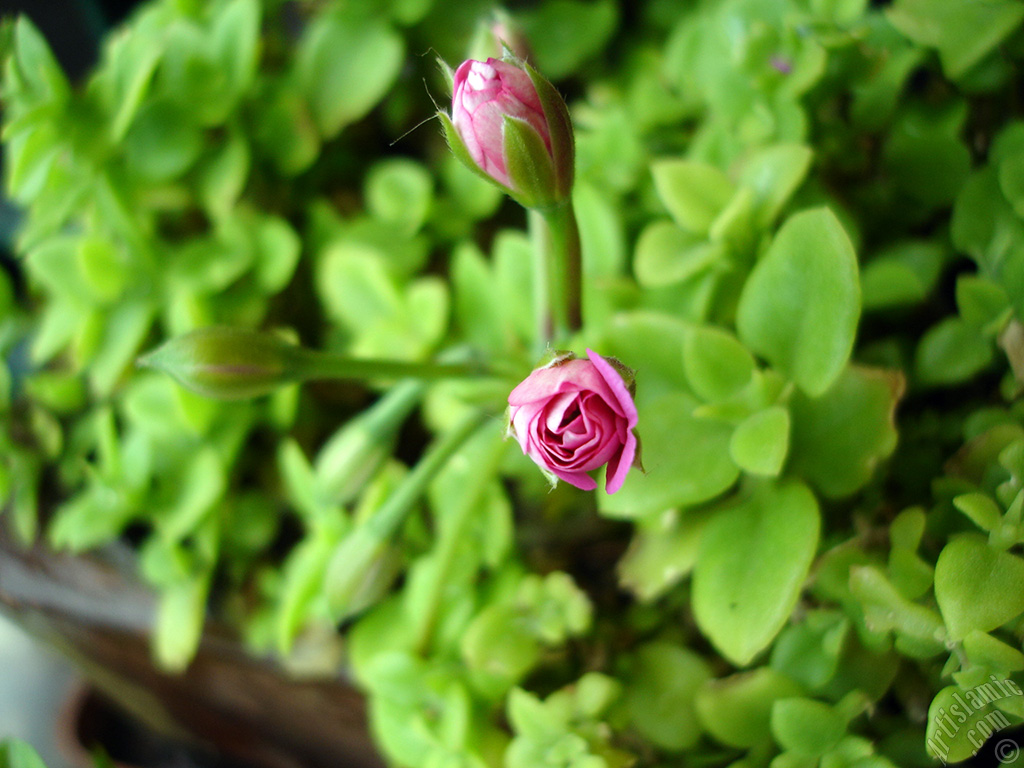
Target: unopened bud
{"points": [[228, 363]]}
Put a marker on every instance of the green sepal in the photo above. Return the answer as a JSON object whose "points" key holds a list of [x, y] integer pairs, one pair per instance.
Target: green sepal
{"points": [[529, 165], [556, 113], [448, 73], [461, 152]]}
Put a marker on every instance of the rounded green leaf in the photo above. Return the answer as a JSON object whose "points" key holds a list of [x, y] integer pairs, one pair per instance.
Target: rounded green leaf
{"points": [[760, 443], [977, 587], [800, 306], [666, 254], [345, 67], [717, 366], [736, 710], [839, 438], [751, 567], [950, 352], [660, 695], [686, 461], [806, 726], [694, 193]]}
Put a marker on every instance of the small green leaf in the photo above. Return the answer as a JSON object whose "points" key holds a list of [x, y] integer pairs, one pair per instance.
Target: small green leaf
{"points": [[736, 710], [717, 366], [686, 461], [332, 50], [981, 510], [950, 352], [659, 696], [962, 32], [806, 726], [986, 651], [694, 193], [840, 437], [800, 306], [774, 174], [977, 587], [399, 192], [179, 622], [751, 567], [760, 443], [666, 254]]}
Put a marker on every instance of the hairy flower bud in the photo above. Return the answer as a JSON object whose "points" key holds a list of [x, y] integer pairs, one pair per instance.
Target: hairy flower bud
{"points": [[573, 416], [510, 125]]}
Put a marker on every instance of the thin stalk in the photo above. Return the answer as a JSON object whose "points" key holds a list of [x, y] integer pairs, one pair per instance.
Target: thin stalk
{"points": [[558, 271], [354, 557], [454, 532], [312, 364], [543, 325]]}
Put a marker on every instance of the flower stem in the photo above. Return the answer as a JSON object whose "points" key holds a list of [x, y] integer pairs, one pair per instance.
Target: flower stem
{"points": [[313, 364], [557, 271], [354, 556]]}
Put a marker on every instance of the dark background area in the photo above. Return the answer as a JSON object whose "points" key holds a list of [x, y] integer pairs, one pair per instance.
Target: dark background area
{"points": [[72, 27]]}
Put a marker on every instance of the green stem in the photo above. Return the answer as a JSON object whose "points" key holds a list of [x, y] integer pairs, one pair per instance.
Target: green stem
{"points": [[355, 555], [541, 304], [454, 534], [557, 243], [313, 364]]}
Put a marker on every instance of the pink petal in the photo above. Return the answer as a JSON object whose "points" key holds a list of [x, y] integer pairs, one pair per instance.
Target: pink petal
{"points": [[571, 376], [581, 480], [626, 406], [619, 465]]}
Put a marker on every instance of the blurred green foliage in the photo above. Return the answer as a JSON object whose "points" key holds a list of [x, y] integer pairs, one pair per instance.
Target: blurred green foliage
{"points": [[802, 225]]}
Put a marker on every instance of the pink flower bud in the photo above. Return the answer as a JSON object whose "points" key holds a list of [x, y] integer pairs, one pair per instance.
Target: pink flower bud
{"points": [[509, 124], [574, 416], [485, 93]]}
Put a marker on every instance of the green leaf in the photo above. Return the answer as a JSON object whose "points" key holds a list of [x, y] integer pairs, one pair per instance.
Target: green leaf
{"points": [[235, 38], [774, 174], [222, 177], [686, 461], [760, 443], [981, 510], [751, 566], [986, 651], [278, 249], [963, 32], [558, 54], [736, 710], [399, 191], [345, 67], [952, 352], [666, 254], [162, 142], [717, 366], [982, 303], [959, 722], [806, 726], [659, 697], [662, 553], [15, 753], [694, 193], [179, 622], [800, 306], [977, 587], [838, 439]]}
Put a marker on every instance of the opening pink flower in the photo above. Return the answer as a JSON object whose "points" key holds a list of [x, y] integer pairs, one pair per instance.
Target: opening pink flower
{"points": [[575, 416]]}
